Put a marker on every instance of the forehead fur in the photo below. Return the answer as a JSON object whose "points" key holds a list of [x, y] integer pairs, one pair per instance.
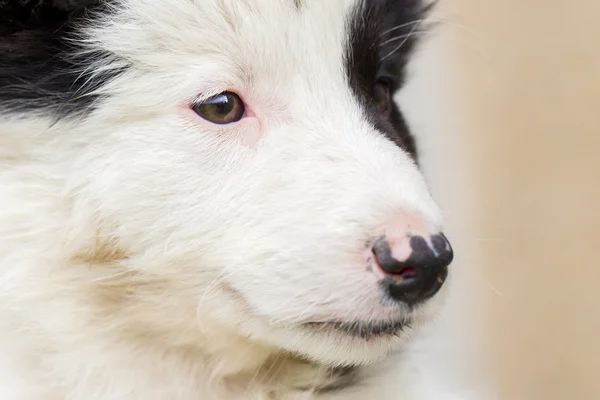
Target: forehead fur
{"points": [[248, 32], [61, 56], [245, 38]]}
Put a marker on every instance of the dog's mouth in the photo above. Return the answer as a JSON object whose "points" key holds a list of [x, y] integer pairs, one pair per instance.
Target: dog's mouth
{"points": [[362, 329]]}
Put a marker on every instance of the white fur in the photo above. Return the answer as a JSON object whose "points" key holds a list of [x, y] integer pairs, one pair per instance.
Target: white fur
{"points": [[147, 254]]}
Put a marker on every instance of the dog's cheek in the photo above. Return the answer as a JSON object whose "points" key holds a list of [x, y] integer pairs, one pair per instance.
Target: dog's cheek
{"points": [[162, 182]]}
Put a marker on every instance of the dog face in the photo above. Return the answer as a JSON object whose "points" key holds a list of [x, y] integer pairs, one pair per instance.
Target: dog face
{"points": [[248, 152]]}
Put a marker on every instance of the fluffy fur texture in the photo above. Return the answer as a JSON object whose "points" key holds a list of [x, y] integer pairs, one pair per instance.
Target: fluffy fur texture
{"points": [[146, 253]]}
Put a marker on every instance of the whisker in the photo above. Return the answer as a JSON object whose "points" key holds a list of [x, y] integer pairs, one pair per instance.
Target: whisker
{"points": [[395, 38], [450, 22], [401, 44], [210, 288], [259, 371], [418, 21]]}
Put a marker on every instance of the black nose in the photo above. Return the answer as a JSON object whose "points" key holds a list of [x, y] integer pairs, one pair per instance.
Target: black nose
{"points": [[419, 275]]}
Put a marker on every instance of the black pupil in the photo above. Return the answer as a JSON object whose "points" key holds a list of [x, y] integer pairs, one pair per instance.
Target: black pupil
{"points": [[222, 104]]}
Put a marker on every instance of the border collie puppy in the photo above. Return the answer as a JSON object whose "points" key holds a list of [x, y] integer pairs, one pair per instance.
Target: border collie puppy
{"points": [[209, 199]]}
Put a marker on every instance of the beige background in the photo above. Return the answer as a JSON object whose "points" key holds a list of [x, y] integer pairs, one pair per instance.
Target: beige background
{"points": [[513, 153]]}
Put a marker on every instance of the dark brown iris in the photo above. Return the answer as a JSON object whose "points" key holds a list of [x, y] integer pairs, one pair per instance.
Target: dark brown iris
{"points": [[223, 108]]}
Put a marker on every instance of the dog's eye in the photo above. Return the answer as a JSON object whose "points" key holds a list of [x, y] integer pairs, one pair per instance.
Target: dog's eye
{"points": [[224, 108], [382, 95]]}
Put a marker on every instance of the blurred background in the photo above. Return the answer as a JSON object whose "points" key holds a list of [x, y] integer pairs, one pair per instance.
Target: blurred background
{"points": [[511, 146]]}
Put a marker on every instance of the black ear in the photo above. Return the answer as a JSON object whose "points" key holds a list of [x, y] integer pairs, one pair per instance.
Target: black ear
{"points": [[404, 25], [17, 15], [42, 69], [383, 35]]}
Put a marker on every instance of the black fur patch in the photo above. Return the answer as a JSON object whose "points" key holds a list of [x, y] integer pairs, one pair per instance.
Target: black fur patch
{"points": [[340, 378], [40, 69], [382, 36]]}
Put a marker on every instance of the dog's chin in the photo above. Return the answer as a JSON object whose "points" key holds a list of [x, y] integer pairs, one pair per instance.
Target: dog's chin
{"points": [[362, 330], [349, 343], [332, 342]]}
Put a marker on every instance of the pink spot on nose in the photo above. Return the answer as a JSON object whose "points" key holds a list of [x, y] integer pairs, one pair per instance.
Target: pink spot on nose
{"points": [[405, 225], [393, 251], [401, 249]]}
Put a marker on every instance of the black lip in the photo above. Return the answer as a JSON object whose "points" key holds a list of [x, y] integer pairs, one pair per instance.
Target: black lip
{"points": [[363, 329]]}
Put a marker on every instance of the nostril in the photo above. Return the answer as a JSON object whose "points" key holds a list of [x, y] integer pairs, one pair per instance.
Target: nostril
{"points": [[443, 248], [382, 254], [415, 267], [410, 255]]}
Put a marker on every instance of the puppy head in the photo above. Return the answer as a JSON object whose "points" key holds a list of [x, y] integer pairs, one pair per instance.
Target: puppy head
{"points": [[250, 152]]}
